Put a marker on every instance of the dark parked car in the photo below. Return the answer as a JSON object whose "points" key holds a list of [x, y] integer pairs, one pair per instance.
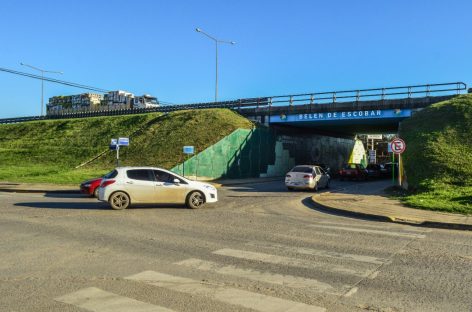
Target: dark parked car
{"points": [[353, 171], [389, 167], [375, 170]]}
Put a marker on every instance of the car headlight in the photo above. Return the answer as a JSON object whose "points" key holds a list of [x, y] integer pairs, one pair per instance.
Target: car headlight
{"points": [[209, 187]]}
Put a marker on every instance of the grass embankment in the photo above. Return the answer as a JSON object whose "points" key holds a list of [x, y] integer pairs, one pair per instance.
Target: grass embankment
{"points": [[48, 151], [438, 159]]}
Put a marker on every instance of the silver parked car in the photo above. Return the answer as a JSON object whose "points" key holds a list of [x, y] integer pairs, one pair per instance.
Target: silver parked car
{"points": [[148, 185], [307, 177]]}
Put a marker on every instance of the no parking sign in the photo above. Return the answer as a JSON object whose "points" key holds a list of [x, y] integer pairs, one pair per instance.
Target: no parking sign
{"points": [[397, 146]]}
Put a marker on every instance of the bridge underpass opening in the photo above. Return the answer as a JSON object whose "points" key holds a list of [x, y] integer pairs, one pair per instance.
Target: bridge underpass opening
{"points": [[332, 138]]}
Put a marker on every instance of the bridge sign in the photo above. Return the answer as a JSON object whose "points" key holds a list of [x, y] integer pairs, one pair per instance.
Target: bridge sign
{"points": [[398, 146], [374, 136]]}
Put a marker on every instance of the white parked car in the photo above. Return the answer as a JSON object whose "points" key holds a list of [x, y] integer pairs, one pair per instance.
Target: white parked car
{"points": [[307, 177], [147, 185]]}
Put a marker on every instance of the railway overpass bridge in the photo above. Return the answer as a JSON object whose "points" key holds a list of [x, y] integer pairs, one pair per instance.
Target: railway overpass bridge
{"points": [[349, 112]]}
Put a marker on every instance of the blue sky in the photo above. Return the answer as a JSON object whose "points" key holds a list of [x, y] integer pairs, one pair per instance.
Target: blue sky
{"points": [[283, 47]]}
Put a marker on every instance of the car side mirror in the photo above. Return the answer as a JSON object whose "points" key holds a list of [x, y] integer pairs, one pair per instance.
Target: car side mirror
{"points": [[176, 181]]}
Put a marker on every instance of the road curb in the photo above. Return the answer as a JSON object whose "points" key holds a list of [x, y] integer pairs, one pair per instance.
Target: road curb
{"points": [[349, 213], [392, 219]]}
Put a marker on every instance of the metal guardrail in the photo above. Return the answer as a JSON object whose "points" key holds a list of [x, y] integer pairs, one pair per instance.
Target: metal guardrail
{"points": [[21, 119], [318, 98], [379, 94]]}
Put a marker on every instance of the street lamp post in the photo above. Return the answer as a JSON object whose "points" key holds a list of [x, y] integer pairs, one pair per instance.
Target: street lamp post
{"points": [[216, 56], [42, 81]]}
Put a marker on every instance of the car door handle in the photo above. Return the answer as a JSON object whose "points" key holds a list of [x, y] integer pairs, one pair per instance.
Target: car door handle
{"points": [[129, 182], [159, 184]]}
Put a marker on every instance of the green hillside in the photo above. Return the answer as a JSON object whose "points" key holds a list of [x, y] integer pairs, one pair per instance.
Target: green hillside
{"points": [[438, 159], [49, 151]]}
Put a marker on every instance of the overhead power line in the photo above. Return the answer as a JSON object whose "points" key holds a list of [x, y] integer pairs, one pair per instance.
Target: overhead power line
{"points": [[67, 83]]}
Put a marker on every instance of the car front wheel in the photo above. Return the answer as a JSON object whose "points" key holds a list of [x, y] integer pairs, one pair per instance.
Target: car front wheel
{"points": [[119, 201], [195, 200]]}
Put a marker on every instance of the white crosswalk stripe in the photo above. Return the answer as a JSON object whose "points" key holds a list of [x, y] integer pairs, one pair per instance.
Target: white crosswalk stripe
{"points": [[278, 279], [97, 300], [281, 260], [368, 231], [224, 294], [323, 253]]}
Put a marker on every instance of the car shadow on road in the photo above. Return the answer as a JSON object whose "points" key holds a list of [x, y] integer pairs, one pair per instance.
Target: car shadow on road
{"points": [[94, 205], [56, 194], [65, 205]]}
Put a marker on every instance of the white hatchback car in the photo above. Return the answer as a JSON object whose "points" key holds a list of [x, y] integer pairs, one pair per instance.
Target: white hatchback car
{"points": [[307, 177], [147, 185]]}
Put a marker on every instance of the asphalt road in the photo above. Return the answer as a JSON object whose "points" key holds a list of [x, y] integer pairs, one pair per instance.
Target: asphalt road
{"points": [[260, 248]]}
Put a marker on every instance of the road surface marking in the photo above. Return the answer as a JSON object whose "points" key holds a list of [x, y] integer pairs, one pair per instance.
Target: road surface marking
{"points": [[97, 300], [224, 294], [308, 264], [278, 279], [351, 292], [296, 236], [374, 275], [351, 229], [323, 253], [380, 226]]}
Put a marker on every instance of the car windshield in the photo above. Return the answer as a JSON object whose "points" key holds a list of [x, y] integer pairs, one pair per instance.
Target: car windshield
{"points": [[304, 169], [110, 175]]}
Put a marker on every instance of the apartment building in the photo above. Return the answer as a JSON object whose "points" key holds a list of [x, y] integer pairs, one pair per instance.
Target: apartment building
{"points": [[119, 98], [86, 99], [75, 102]]}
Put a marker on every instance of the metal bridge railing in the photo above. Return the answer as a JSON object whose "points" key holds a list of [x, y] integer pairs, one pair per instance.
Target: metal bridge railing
{"points": [[317, 98], [369, 94]]}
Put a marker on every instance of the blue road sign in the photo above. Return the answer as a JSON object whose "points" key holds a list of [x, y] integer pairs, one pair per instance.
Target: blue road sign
{"points": [[123, 141], [189, 149]]}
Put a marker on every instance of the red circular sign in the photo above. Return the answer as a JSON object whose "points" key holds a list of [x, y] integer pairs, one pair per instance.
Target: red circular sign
{"points": [[398, 146]]}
